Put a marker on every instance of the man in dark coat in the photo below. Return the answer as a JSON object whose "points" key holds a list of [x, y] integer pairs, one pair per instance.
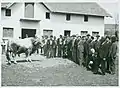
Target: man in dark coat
{"points": [[103, 53], [45, 47], [43, 44], [75, 49], [54, 47], [69, 48], [112, 55], [60, 46], [86, 46], [80, 51], [50, 43], [65, 47], [90, 57], [96, 59]]}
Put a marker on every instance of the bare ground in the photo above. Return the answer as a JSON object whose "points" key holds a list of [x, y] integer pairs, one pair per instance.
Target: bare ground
{"points": [[52, 72]]}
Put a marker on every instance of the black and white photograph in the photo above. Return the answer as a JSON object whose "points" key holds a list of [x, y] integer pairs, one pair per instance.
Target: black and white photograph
{"points": [[59, 43]]}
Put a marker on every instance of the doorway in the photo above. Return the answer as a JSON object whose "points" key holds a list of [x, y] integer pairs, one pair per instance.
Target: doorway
{"points": [[67, 32], [29, 32]]}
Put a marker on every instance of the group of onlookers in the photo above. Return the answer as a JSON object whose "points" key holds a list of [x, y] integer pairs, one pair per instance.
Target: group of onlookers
{"points": [[94, 53], [88, 51]]}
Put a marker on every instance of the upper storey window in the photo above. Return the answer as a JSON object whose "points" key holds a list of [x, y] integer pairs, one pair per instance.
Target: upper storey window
{"points": [[8, 12], [85, 18], [67, 17], [47, 15], [29, 10]]}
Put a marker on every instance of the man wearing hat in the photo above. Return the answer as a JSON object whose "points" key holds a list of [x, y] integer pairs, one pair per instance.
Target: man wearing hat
{"points": [[103, 53], [69, 48], [73, 48], [112, 55], [86, 46], [90, 46], [96, 60]]}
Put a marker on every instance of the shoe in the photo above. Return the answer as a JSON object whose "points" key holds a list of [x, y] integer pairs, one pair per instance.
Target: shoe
{"points": [[112, 73], [95, 72], [102, 73], [108, 72]]}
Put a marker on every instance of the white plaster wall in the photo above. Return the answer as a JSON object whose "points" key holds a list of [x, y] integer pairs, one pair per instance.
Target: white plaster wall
{"points": [[58, 23], [17, 12], [13, 20]]}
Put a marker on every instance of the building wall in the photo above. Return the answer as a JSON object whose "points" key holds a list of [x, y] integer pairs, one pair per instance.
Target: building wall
{"points": [[57, 22], [13, 21]]}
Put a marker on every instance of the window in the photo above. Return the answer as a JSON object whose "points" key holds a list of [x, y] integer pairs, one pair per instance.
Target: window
{"points": [[95, 33], [47, 15], [84, 33], [67, 17], [85, 18], [8, 12], [29, 10], [8, 32]]}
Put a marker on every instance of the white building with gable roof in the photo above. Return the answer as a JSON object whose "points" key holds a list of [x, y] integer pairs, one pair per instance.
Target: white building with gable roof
{"points": [[19, 19]]}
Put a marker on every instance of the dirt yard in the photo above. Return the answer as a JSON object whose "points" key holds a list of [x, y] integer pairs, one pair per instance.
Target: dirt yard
{"points": [[51, 72]]}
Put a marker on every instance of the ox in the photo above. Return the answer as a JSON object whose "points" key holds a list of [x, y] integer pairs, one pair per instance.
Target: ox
{"points": [[18, 46]]}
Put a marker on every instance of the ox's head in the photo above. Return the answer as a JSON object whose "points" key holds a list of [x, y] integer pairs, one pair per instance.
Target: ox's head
{"points": [[37, 43]]}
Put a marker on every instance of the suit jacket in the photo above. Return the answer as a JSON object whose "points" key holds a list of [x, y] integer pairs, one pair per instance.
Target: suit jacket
{"points": [[50, 43], [59, 42], [113, 50], [104, 49]]}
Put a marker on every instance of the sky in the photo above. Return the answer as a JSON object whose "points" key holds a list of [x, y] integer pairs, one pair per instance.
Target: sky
{"points": [[111, 8]]}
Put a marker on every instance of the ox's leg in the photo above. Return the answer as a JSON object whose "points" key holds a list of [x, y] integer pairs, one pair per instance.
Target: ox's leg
{"points": [[28, 55], [14, 60]]}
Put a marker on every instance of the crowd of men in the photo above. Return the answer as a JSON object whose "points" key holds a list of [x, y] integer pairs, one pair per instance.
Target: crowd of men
{"points": [[94, 53]]}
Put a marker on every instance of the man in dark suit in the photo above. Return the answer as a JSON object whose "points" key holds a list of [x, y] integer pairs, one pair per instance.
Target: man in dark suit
{"points": [[112, 55], [103, 53], [50, 43], [75, 49], [80, 51], [60, 46], [45, 47], [90, 53], [54, 46], [96, 59], [65, 47], [86, 47], [69, 48]]}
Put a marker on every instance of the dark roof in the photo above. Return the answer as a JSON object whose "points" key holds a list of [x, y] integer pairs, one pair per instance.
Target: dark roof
{"points": [[90, 8], [6, 5], [85, 8]]}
